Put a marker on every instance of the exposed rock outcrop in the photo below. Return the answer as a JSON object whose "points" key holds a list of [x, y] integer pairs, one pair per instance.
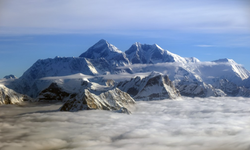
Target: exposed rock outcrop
{"points": [[112, 100], [8, 96], [231, 89], [153, 87], [54, 92], [198, 89]]}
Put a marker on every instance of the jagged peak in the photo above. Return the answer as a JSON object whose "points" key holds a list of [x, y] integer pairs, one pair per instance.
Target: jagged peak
{"points": [[138, 46], [102, 42], [102, 46]]}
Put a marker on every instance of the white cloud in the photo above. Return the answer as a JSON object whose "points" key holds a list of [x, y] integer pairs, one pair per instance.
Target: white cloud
{"points": [[204, 45], [74, 76], [191, 123], [173, 65], [124, 76], [96, 16]]}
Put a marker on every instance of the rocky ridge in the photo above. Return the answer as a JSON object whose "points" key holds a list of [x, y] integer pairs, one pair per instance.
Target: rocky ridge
{"points": [[112, 100], [155, 86], [8, 96]]}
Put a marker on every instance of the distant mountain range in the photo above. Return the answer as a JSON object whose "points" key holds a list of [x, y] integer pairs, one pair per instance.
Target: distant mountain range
{"points": [[103, 61]]}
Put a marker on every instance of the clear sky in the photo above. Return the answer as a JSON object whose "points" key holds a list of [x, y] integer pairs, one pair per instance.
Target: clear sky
{"points": [[206, 29]]}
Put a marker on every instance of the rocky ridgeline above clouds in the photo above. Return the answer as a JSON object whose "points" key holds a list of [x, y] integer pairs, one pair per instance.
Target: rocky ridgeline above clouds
{"points": [[88, 96], [179, 75], [155, 86], [8, 96]]}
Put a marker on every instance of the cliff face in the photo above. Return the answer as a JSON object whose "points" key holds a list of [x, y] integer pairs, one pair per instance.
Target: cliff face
{"points": [[54, 92]]}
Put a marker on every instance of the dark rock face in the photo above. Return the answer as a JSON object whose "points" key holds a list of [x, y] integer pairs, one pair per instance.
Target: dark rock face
{"points": [[54, 92], [132, 91], [75, 105], [7, 100]]}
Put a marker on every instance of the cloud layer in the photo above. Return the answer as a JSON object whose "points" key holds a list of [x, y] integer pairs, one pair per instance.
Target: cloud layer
{"points": [[97, 16], [197, 124]]}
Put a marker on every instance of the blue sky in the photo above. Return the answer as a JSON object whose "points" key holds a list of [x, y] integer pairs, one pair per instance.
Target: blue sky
{"points": [[207, 29]]}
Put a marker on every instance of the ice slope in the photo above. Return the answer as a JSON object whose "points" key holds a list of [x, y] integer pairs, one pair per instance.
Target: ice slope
{"points": [[220, 69], [238, 69]]}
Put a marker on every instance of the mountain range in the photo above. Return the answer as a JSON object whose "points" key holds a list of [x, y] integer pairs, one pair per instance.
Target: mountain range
{"points": [[144, 71]]}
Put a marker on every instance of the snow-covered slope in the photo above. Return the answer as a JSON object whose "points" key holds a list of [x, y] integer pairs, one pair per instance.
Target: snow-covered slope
{"points": [[109, 52], [201, 71], [224, 69], [30, 83], [8, 96], [153, 87], [152, 54], [198, 89]]}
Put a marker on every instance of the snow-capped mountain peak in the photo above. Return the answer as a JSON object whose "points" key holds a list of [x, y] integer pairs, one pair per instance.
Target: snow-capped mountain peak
{"points": [[225, 60], [238, 69], [107, 51], [101, 49], [149, 54]]}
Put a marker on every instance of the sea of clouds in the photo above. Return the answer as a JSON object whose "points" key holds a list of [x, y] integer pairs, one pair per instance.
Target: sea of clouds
{"points": [[185, 124]]}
